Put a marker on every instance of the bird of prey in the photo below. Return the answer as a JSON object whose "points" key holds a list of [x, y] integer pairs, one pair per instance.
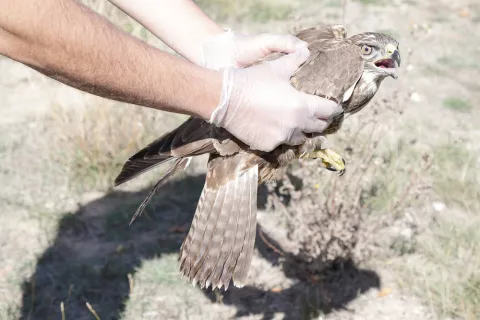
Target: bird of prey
{"points": [[219, 246]]}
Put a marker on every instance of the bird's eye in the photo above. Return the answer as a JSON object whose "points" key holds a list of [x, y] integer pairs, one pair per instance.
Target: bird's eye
{"points": [[366, 49]]}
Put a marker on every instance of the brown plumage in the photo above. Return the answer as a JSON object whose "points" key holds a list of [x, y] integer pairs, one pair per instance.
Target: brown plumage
{"points": [[220, 242]]}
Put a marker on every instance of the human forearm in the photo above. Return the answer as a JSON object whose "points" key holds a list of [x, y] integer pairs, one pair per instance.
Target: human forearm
{"points": [[181, 24], [72, 44]]}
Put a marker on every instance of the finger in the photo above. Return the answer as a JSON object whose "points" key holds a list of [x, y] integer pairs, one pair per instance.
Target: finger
{"points": [[297, 137], [280, 43], [322, 108], [315, 125], [285, 66], [264, 145]]}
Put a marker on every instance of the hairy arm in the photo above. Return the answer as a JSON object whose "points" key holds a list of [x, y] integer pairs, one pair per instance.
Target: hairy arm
{"points": [[69, 42], [181, 24]]}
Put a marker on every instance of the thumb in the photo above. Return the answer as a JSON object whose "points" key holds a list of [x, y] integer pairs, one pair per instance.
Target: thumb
{"points": [[272, 42], [285, 66]]}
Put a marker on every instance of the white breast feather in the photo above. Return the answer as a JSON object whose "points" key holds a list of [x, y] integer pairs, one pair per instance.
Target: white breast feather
{"points": [[369, 83]]}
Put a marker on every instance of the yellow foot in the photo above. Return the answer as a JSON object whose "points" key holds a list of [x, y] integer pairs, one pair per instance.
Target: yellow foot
{"points": [[330, 160]]}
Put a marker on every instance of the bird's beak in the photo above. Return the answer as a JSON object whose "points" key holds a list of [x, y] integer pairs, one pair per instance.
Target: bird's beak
{"points": [[396, 57], [392, 53], [391, 61]]}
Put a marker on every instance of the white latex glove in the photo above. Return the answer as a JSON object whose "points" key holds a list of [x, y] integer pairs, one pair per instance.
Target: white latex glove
{"points": [[229, 49], [260, 107]]}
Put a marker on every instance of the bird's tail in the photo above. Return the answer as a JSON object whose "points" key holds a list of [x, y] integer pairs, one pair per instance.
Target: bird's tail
{"points": [[220, 243]]}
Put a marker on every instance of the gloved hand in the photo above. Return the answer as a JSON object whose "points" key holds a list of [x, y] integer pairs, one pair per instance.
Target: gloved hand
{"points": [[260, 107], [229, 49]]}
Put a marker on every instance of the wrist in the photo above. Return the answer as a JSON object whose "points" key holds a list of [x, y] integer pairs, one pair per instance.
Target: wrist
{"points": [[213, 86], [217, 116]]}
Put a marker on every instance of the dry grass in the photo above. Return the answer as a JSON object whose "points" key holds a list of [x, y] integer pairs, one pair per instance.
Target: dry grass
{"points": [[457, 176], [246, 11], [445, 268], [91, 144], [446, 263]]}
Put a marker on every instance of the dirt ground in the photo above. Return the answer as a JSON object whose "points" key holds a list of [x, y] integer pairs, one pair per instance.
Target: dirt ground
{"points": [[64, 234]]}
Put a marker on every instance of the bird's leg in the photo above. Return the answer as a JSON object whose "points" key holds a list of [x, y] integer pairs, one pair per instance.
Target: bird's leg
{"points": [[317, 148]]}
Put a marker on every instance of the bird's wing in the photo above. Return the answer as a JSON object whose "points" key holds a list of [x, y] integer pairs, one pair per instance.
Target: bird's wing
{"points": [[193, 137], [178, 164], [220, 242], [332, 70], [334, 65], [322, 32]]}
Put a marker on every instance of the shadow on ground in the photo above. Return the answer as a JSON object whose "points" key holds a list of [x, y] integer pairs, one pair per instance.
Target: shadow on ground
{"points": [[96, 250], [311, 296]]}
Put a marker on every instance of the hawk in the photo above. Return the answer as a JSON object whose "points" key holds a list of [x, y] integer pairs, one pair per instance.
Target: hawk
{"points": [[219, 246]]}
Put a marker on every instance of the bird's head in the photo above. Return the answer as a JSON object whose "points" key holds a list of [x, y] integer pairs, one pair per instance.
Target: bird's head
{"points": [[380, 53]]}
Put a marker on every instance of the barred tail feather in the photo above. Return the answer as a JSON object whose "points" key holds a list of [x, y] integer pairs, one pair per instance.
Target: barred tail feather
{"points": [[221, 233], [245, 258]]}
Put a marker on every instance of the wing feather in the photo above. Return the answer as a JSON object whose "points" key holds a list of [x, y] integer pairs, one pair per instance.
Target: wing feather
{"points": [[179, 164], [192, 138], [334, 64], [245, 257]]}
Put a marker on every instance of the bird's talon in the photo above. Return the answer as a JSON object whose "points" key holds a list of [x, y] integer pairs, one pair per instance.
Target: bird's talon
{"points": [[330, 160]]}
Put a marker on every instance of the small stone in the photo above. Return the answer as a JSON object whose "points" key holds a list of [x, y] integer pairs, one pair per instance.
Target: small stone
{"points": [[409, 218], [438, 206], [150, 314], [384, 292], [407, 233], [464, 13], [415, 97], [378, 161], [49, 205], [120, 248]]}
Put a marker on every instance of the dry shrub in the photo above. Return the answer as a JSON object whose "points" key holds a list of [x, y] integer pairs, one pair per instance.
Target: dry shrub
{"points": [[324, 213], [92, 143]]}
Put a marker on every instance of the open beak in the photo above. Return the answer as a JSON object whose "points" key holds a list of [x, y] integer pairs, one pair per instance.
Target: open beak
{"points": [[391, 61]]}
